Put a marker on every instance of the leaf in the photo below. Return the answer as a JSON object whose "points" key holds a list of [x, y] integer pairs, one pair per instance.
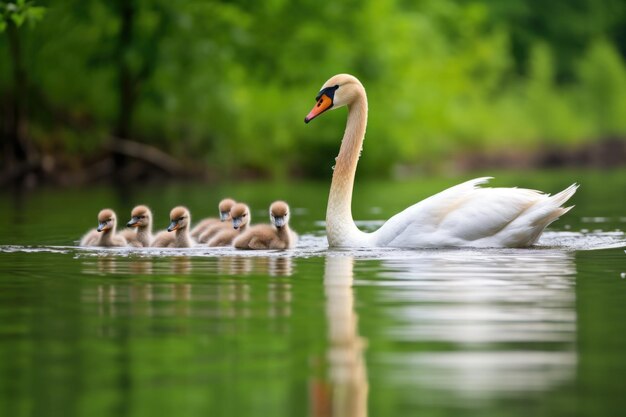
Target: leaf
{"points": [[18, 19], [35, 14], [3, 25]]}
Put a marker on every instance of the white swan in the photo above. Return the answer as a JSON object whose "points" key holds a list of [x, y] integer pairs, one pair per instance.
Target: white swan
{"points": [[463, 215]]}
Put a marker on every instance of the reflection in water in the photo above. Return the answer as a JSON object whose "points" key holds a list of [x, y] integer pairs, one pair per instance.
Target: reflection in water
{"points": [[464, 318], [106, 264], [500, 313], [280, 267], [347, 394], [228, 298], [274, 266], [234, 265], [181, 265], [279, 298], [143, 266]]}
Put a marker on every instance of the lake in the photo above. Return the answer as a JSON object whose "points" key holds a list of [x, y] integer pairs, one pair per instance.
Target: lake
{"points": [[312, 331]]}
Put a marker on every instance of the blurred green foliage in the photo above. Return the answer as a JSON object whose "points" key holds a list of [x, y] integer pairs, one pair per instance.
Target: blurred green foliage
{"points": [[228, 83], [18, 12]]}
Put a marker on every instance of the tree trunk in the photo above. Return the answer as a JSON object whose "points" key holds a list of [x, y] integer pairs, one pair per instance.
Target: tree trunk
{"points": [[17, 158], [127, 86]]}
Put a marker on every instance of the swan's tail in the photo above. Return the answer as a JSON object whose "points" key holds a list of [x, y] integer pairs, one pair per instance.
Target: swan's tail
{"points": [[539, 216], [549, 211], [561, 198]]}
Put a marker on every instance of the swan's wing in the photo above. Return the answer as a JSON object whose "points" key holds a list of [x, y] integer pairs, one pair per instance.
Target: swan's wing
{"points": [[409, 227], [469, 215]]}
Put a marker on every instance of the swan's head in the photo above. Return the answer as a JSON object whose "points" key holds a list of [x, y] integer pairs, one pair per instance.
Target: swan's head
{"points": [[225, 206], [179, 218], [340, 90], [279, 214], [141, 216], [106, 220], [240, 213]]}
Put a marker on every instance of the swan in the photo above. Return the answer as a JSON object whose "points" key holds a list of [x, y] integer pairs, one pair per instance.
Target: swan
{"points": [[141, 222], [104, 234], [463, 215], [180, 218], [214, 228], [278, 235], [224, 208], [240, 214]]}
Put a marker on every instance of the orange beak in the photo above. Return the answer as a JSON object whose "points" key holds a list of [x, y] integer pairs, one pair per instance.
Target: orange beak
{"points": [[324, 103]]}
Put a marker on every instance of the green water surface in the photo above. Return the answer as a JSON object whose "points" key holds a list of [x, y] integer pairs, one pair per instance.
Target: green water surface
{"points": [[312, 332]]}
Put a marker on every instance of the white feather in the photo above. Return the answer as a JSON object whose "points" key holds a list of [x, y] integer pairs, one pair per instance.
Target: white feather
{"points": [[463, 215], [467, 215]]}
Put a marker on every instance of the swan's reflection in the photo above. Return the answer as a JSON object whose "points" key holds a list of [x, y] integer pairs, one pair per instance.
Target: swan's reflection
{"points": [[234, 265], [106, 265], [181, 265], [500, 313], [227, 297], [280, 267], [275, 266], [347, 393]]}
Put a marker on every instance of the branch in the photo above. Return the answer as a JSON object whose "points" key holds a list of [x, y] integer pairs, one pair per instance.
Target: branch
{"points": [[146, 153]]}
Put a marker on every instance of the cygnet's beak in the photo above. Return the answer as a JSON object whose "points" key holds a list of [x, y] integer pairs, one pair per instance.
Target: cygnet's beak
{"points": [[279, 221], [224, 215], [236, 222], [134, 222], [323, 103], [103, 226], [174, 225]]}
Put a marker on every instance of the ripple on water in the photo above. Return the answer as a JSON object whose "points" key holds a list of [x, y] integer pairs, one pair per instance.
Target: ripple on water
{"points": [[311, 245]]}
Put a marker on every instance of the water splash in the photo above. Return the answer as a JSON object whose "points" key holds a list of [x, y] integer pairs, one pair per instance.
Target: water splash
{"points": [[311, 245]]}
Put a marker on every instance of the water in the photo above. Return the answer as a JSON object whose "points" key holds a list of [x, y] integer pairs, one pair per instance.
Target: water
{"points": [[312, 332]]}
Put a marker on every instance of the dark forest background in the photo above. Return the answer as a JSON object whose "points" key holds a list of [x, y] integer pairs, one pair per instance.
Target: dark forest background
{"points": [[119, 90]]}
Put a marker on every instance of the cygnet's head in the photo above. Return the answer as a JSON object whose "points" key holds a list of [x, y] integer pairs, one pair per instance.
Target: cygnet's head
{"points": [[279, 214], [338, 91], [240, 214], [141, 216], [179, 218], [225, 206], [106, 220]]}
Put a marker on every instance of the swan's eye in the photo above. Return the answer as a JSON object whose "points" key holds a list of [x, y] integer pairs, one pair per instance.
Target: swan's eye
{"points": [[328, 92]]}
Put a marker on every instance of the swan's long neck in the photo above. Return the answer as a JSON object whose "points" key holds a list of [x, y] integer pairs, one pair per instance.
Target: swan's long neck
{"points": [[284, 234], [182, 237], [340, 226], [144, 234], [106, 238]]}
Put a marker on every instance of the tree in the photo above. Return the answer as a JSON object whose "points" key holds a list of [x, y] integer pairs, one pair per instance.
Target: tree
{"points": [[20, 159]]}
